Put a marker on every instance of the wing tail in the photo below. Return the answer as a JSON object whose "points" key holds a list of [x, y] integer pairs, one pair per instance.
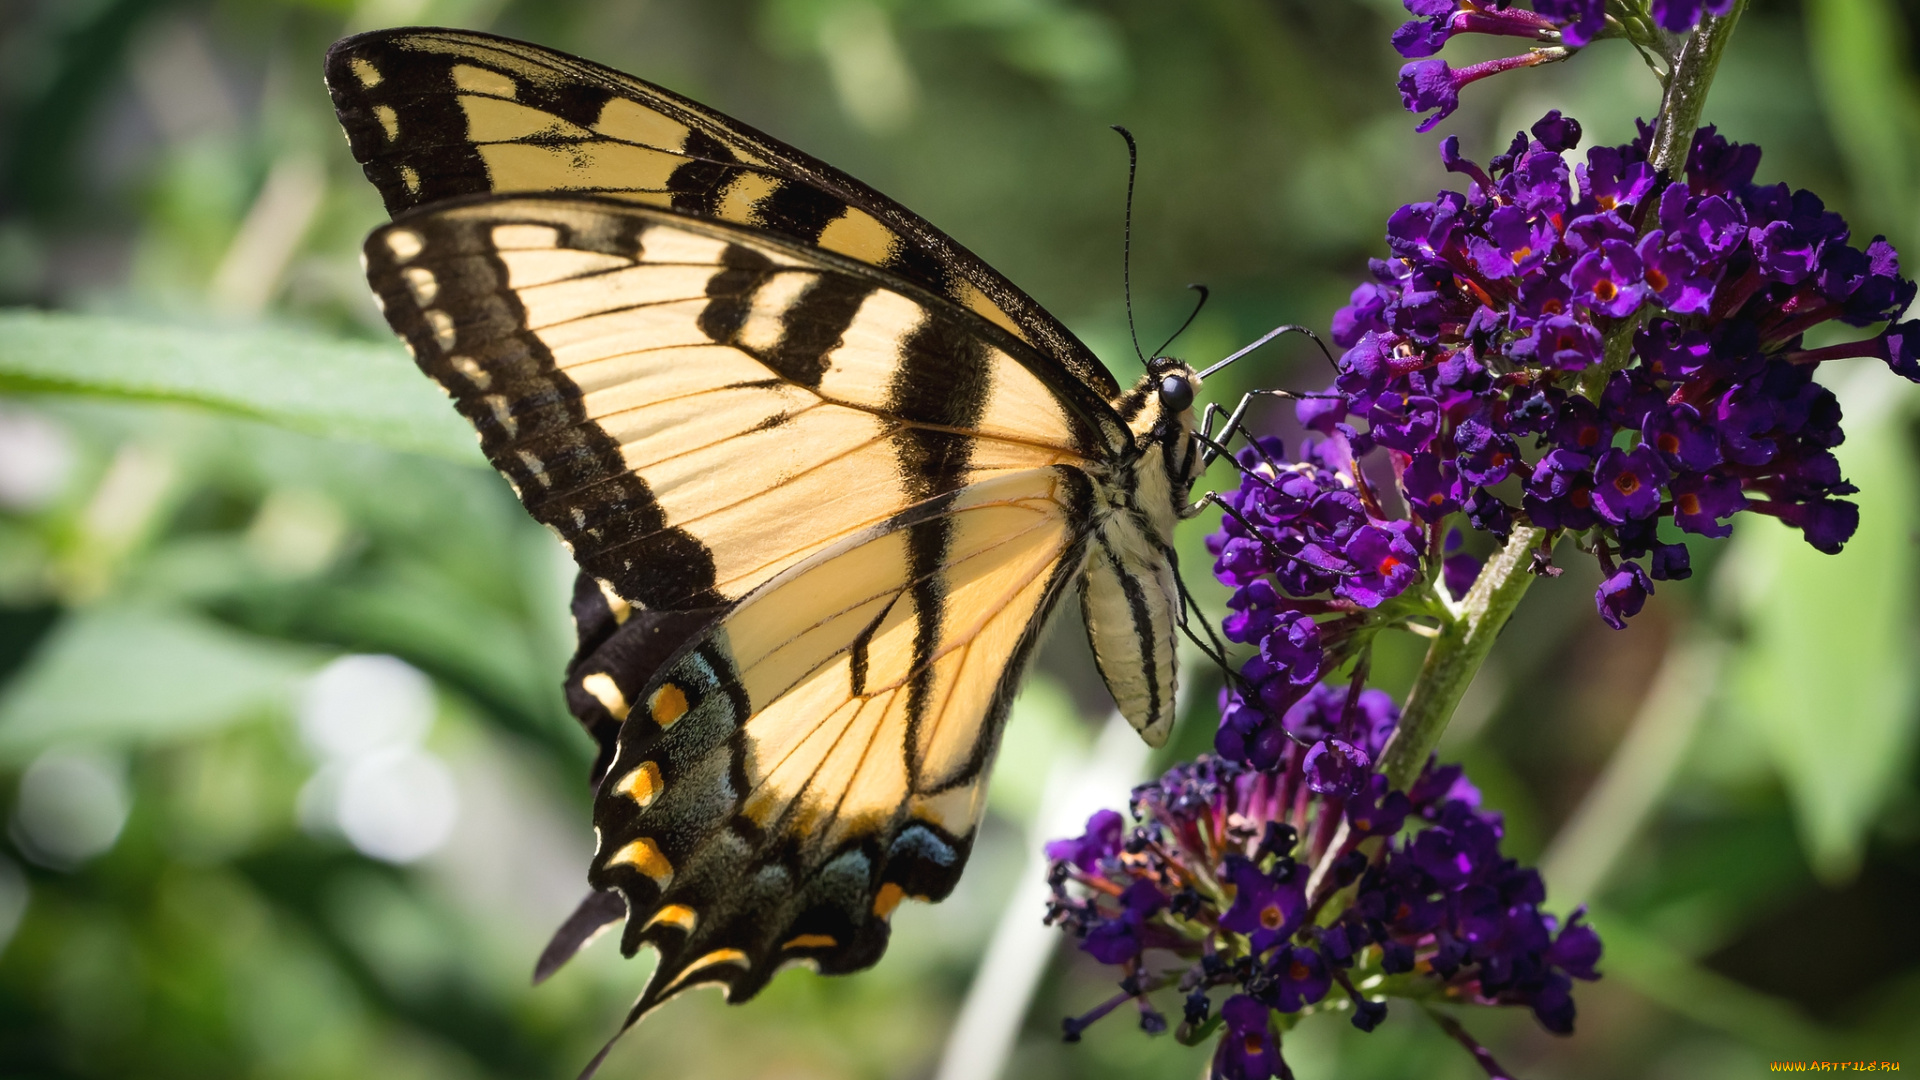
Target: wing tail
{"points": [[595, 914]]}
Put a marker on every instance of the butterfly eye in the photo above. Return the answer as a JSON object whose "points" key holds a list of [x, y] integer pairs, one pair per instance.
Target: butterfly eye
{"points": [[1176, 393]]}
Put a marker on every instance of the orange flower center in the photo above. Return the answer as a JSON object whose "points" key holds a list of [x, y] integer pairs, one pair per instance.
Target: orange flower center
{"points": [[1656, 279], [1688, 504], [1668, 442], [1605, 289], [1626, 483], [1271, 918]]}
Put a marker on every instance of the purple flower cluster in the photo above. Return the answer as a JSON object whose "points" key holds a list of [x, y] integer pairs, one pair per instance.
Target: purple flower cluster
{"points": [[1560, 26], [1478, 355], [1319, 731], [1222, 887], [1301, 539], [1445, 902]]}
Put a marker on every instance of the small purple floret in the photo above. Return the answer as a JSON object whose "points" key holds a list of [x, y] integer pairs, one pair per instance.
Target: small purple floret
{"points": [[1429, 84], [1335, 767], [1248, 1049], [1621, 596]]}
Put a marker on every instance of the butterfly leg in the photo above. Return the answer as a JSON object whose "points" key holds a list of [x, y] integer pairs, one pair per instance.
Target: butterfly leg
{"points": [[1235, 420], [1207, 418], [1218, 450], [1215, 447], [1213, 648]]}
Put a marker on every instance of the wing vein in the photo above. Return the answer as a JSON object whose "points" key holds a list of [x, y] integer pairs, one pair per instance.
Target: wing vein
{"points": [[908, 585]]}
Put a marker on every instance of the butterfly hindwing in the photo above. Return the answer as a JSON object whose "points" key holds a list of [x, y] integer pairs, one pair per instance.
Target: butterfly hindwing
{"points": [[695, 407], [435, 114], [821, 753]]}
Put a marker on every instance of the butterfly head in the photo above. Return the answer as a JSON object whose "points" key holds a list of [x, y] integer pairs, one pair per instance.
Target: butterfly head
{"points": [[1176, 388], [1159, 412], [1162, 401]]}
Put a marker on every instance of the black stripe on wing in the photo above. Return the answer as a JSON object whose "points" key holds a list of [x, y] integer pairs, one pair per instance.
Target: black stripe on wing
{"points": [[397, 96], [811, 328], [933, 461], [568, 471]]}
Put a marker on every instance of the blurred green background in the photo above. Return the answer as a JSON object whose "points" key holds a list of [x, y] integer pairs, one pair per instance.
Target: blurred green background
{"points": [[288, 786]]}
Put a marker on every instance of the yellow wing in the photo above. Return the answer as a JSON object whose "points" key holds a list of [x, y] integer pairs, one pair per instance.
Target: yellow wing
{"points": [[436, 114], [694, 407], [822, 752], [825, 473]]}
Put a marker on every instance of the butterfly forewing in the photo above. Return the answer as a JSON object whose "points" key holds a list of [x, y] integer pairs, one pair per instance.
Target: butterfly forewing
{"points": [[695, 408], [435, 114], [821, 754]]}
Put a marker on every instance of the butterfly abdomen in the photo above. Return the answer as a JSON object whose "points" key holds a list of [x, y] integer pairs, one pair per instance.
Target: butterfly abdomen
{"points": [[1129, 594]]}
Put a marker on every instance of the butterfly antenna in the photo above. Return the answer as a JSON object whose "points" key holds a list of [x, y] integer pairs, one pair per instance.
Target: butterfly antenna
{"points": [[1202, 302], [1126, 244]]}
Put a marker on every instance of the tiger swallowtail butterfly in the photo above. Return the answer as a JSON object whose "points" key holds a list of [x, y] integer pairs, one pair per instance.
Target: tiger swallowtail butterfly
{"points": [[826, 475]]}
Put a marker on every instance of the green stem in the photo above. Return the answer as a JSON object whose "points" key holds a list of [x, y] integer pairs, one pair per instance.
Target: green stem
{"points": [[1679, 118], [1686, 95], [1481, 1055], [1456, 655]]}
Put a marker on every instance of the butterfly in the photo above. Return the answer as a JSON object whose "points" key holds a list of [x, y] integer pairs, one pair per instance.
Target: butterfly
{"points": [[826, 475]]}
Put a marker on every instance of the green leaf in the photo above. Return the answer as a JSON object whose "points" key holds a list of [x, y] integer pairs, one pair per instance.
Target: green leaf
{"points": [[1826, 676], [139, 675], [340, 389]]}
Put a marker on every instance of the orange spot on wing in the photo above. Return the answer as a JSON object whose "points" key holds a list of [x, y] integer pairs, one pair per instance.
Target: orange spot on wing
{"points": [[644, 855], [668, 704], [642, 785], [676, 915], [717, 956]]}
